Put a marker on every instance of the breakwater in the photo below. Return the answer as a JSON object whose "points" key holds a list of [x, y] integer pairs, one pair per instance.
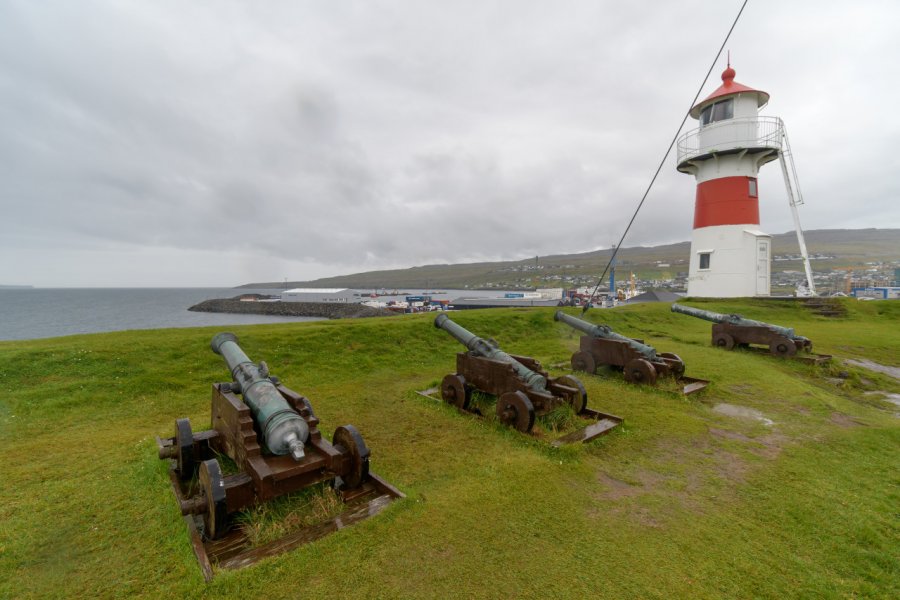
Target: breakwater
{"points": [[325, 310]]}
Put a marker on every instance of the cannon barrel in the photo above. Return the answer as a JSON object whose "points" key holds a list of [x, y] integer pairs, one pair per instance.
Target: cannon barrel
{"points": [[283, 429], [734, 320], [485, 349], [603, 331]]}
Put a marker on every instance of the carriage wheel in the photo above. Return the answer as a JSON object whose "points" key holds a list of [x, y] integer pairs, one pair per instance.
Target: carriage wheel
{"points": [[676, 365], [578, 402], [639, 370], [723, 340], [782, 347], [184, 446], [347, 439], [516, 410], [215, 519], [455, 391], [584, 361]]}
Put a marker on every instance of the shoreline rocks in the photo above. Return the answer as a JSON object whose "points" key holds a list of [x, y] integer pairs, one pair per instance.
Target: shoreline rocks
{"points": [[325, 310]]}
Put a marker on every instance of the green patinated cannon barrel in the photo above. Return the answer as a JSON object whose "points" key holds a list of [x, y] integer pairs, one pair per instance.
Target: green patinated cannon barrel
{"points": [[734, 320], [283, 429], [603, 331], [485, 349]]}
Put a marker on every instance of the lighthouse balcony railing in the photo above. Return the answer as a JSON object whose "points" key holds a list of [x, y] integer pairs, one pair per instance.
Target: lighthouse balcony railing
{"points": [[731, 135]]}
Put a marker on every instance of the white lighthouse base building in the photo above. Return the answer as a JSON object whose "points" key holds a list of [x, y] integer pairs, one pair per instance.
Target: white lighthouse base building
{"points": [[722, 258], [730, 256]]}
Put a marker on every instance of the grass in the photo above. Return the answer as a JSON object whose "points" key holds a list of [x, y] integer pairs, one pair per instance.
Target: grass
{"points": [[272, 520], [680, 501]]}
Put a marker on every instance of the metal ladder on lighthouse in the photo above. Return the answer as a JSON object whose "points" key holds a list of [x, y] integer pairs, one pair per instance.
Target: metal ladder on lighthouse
{"points": [[795, 199]]}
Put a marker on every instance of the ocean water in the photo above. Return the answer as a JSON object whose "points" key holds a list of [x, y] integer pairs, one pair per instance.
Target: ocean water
{"points": [[51, 312]]}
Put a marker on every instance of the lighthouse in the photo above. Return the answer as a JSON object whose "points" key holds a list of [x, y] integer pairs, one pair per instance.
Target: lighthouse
{"points": [[730, 255]]}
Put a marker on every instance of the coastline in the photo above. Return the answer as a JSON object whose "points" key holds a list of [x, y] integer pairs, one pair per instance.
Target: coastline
{"points": [[325, 310]]}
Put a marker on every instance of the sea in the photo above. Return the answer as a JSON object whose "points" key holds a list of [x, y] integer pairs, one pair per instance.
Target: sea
{"points": [[31, 313]]}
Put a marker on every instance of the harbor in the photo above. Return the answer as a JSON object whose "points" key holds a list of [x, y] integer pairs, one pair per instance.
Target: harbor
{"points": [[395, 301]]}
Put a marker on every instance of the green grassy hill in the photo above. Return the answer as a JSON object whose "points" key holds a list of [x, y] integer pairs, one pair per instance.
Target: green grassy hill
{"points": [[682, 501], [845, 248]]}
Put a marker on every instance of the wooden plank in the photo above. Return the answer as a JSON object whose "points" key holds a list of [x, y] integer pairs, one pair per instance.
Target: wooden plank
{"points": [[308, 534], [384, 487], [199, 548], [592, 431], [233, 543], [233, 552], [693, 385], [801, 356], [349, 496], [429, 393]]}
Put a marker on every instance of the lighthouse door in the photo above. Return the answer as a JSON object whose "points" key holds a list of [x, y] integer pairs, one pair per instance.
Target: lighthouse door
{"points": [[762, 267]]}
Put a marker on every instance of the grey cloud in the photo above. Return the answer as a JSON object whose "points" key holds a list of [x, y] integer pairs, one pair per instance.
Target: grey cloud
{"points": [[336, 137]]}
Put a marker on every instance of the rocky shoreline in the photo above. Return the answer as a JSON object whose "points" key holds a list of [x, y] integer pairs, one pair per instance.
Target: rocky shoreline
{"points": [[325, 310]]}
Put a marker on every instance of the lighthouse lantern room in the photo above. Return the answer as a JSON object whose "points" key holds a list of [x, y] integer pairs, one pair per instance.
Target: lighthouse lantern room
{"points": [[730, 256]]}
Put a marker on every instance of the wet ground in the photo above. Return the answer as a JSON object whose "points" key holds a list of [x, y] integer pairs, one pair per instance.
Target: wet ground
{"points": [[742, 412], [874, 366], [890, 397]]}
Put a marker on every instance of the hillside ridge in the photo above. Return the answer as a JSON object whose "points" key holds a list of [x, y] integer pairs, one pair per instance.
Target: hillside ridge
{"points": [[834, 247]]}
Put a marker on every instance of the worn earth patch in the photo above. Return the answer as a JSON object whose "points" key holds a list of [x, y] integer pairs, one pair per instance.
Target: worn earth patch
{"points": [[715, 467], [767, 446], [842, 420]]}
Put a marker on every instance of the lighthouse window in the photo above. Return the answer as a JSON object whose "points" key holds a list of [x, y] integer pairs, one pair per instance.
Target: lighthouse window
{"points": [[752, 188], [723, 110], [704, 260], [718, 111]]}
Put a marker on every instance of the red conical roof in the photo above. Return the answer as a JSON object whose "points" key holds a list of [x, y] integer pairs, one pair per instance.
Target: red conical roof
{"points": [[729, 87]]}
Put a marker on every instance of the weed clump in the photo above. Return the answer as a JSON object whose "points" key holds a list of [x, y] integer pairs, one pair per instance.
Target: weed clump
{"points": [[284, 515], [561, 418]]}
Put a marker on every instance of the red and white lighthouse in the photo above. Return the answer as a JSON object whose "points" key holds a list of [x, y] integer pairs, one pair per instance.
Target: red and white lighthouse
{"points": [[730, 256]]}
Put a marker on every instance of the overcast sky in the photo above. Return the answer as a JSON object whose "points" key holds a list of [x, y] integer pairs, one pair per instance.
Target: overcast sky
{"points": [[210, 143]]}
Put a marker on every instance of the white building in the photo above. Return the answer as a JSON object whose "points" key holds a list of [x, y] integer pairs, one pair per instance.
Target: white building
{"points": [[730, 256], [320, 295]]}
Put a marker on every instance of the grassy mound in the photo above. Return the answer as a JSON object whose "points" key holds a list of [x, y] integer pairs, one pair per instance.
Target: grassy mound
{"points": [[780, 480]]}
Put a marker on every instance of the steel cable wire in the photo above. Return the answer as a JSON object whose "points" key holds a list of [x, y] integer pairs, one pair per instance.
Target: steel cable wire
{"points": [[665, 157]]}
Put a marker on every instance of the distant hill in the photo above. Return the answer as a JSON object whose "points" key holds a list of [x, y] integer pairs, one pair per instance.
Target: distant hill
{"points": [[834, 247]]}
